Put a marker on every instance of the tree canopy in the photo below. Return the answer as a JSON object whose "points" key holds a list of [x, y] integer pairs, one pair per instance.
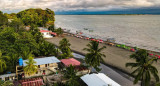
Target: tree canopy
{"points": [[3, 19], [36, 16]]}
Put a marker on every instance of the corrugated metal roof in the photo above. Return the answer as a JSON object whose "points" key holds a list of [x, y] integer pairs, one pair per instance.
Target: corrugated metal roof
{"points": [[45, 60], [7, 75], [70, 61], [99, 79]]}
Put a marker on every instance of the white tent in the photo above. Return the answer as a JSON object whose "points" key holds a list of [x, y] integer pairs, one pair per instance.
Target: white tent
{"points": [[99, 79]]}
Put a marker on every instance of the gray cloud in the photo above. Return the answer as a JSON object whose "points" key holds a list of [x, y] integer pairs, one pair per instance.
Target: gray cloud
{"points": [[90, 5]]}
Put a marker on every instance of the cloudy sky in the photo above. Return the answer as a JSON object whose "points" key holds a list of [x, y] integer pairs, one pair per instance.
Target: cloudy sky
{"points": [[79, 5]]}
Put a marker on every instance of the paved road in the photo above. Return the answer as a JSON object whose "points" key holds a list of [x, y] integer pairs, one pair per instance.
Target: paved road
{"points": [[119, 77]]}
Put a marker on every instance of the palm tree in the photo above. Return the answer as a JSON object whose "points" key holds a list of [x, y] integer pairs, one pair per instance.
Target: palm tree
{"points": [[59, 31], [30, 68], [47, 49], [94, 55], [144, 67], [64, 46], [12, 61], [26, 54], [3, 65], [70, 73], [6, 83]]}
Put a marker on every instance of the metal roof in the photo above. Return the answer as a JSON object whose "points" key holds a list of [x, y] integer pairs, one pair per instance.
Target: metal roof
{"points": [[99, 79], [45, 60], [7, 75], [70, 61]]}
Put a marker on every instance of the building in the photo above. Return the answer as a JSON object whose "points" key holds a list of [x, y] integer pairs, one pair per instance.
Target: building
{"points": [[99, 79], [80, 68], [46, 65], [70, 61], [46, 34], [6, 77]]}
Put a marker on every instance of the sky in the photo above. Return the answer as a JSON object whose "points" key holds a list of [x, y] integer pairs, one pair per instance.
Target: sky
{"points": [[85, 6]]}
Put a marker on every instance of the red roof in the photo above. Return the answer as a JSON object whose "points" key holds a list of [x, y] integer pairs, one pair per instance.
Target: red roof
{"points": [[44, 31], [53, 33], [31, 82], [70, 61]]}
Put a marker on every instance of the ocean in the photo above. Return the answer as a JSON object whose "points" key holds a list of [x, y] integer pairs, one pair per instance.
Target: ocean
{"points": [[142, 31]]}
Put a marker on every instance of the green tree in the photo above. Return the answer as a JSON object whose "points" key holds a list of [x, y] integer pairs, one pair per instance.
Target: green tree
{"points": [[3, 19], [144, 67], [12, 61], [64, 46], [26, 54], [51, 28], [59, 31], [36, 34], [6, 83], [17, 24], [30, 68], [3, 65], [25, 42], [46, 49], [94, 55], [36, 16], [70, 74]]}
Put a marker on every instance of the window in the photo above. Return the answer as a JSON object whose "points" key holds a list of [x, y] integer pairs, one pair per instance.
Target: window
{"points": [[38, 66]]}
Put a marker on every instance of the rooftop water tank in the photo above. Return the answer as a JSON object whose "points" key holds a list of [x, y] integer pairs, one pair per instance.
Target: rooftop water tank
{"points": [[20, 62]]}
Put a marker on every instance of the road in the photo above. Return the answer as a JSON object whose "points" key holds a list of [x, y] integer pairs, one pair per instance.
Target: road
{"points": [[119, 77]]}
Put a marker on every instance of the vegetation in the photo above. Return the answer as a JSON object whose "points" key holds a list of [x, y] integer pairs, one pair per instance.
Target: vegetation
{"points": [[94, 55], [47, 49], [38, 17], [51, 28], [59, 31], [2, 62], [3, 19], [30, 68], [70, 73], [6, 83], [144, 67], [64, 46], [16, 41]]}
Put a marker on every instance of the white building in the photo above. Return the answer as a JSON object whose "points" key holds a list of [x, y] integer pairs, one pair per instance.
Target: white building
{"points": [[99, 79], [46, 34], [46, 66], [6, 77]]}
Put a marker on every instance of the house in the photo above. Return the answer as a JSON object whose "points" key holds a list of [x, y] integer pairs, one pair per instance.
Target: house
{"points": [[46, 65], [77, 65], [70, 61], [53, 34], [99, 79], [46, 34], [6, 77]]}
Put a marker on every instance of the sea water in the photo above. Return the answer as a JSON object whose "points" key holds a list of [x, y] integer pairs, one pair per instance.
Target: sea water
{"points": [[142, 31]]}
